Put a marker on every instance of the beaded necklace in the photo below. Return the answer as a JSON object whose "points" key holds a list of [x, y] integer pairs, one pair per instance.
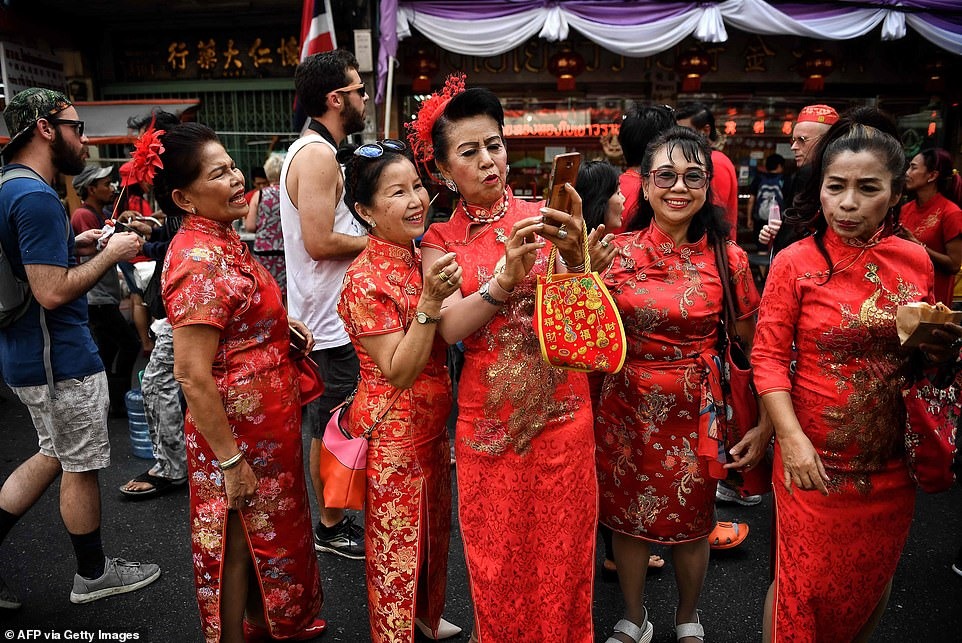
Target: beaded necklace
{"points": [[480, 215]]}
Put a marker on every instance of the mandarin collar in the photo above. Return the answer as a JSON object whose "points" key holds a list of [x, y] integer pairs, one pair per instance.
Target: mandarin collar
{"points": [[386, 248], [833, 240], [218, 229], [666, 244]]}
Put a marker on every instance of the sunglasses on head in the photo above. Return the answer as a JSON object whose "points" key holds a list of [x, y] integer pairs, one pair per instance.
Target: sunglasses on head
{"points": [[693, 179], [376, 150], [77, 125]]}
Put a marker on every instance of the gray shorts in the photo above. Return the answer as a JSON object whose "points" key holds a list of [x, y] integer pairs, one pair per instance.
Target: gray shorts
{"points": [[73, 427]]}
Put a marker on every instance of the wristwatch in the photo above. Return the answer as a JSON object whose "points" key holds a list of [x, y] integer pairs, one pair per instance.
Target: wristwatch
{"points": [[424, 318], [487, 296]]}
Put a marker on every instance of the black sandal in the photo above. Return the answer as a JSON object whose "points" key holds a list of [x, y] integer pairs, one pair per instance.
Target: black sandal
{"points": [[160, 485]]}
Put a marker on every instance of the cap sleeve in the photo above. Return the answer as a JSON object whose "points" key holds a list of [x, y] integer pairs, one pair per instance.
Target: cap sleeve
{"points": [[200, 286]]}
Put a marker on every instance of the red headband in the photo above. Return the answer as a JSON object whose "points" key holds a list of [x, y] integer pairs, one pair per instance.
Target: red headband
{"points": [[419, 130]]}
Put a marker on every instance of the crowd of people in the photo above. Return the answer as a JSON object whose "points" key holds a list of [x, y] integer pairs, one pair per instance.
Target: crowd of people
{"points": [[343, 257]]}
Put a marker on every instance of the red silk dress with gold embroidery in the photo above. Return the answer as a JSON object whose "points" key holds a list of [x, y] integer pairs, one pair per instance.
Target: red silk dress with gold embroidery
{"points": [[408, 511], [935, 224], [650, 424], [836, 553], [210, 278], [526, 480]]}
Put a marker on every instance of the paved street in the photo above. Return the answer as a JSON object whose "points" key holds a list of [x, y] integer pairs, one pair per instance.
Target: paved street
{"points": [[37, 561]]}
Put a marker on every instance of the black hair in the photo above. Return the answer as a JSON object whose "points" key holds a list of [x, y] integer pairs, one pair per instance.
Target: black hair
{"points": [[639, 126], [182, 161], [258, 172], [949, 183], [773, 161], [318, 75], [362, 174], [162, 120], [476, 101], [710, 219], [700, 116], [597, 182]]}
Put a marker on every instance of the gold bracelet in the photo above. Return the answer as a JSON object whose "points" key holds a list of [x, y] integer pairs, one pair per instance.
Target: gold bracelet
{"points": [[231, 462]]}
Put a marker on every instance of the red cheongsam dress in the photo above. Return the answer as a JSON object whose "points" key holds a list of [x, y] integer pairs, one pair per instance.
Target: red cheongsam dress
{"points": [[654, 417], [935, 224], [836, 553], [526, 485], [210, 278], [408, 512]]}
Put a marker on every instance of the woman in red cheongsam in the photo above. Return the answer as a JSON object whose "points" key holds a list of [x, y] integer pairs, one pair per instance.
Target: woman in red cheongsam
{"points": [[254, 563], [843, 496], [391, 317], [526, 480], [658, 442]]}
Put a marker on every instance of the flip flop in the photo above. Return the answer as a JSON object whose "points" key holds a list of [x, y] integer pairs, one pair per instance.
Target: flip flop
{"points": [[160, 485], [727, 535]]}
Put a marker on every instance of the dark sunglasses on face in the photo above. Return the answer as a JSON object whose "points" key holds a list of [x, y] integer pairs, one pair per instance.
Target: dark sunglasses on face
{"points": [[77, 125], [376, 150], [693, 179]]}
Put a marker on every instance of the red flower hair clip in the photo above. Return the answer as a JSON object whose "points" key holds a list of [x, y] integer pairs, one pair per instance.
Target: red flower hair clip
{"points": [[419, 130], [145, 161]]}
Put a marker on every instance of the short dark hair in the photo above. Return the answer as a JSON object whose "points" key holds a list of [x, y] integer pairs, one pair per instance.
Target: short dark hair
{"points": [[162, 120], [181, 159], [476, 101], [639, 127], [361, 175], [700, 116], [318, 75], [597, 182], [773, 161]]}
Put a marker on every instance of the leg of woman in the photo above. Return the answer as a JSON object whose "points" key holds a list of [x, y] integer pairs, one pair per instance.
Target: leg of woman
{"points": [[631, 558], [691, 565], [234, 583], [866, 632], [767, 614]]}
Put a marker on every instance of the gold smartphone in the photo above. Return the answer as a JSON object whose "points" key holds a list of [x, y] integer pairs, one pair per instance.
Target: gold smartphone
{"points": [[564, 169]]}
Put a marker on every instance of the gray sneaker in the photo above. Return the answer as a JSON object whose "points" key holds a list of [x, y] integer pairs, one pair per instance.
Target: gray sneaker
{"points": [[724, 493], [8, 600], [119, 577], [344, 539]]}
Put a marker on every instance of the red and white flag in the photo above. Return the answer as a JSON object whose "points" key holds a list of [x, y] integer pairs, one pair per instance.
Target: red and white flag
{"points": [[317, 28]]}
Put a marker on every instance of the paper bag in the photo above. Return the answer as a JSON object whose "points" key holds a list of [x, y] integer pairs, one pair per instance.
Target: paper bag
{"points": [[916, 321]]}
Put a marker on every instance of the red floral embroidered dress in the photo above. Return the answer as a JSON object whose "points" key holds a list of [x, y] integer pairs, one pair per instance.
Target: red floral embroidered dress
{"points": [[935, 224], [836, 553], [654, 485], [408, 511], [527, 489], [210, 278]]}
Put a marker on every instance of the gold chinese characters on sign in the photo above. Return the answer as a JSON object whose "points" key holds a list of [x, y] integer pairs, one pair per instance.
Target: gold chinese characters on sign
{"points": [[234, 58]]}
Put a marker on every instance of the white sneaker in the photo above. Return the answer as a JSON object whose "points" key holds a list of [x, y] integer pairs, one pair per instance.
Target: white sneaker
{"points": [[724, 493]]}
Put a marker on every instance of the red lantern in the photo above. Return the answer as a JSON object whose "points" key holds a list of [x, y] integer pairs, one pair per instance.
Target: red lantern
{"points": [[422, 67], [565, 65], [814, 66], [691, 65]]}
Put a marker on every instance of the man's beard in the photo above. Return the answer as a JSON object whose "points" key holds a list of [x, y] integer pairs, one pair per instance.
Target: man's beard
{"points": [[353, 120], [66, 160]]}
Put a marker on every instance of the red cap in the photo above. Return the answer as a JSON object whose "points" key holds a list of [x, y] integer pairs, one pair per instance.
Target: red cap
{"points": [[817, 114]]}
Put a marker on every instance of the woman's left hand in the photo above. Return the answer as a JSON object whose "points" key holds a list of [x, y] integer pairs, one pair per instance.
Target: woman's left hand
{"points": [[240, 483], [749, 450], [947, 348], [564, 230], [302, 328]]}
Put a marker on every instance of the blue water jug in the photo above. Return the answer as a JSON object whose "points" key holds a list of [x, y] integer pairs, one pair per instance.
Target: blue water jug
{"points": [[137, 419]]}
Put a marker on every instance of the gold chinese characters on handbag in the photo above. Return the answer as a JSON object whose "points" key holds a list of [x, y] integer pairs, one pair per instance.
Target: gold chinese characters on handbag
{"points": [[576, 320]]}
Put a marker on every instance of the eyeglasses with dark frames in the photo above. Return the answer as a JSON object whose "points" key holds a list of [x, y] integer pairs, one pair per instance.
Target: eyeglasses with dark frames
{"points": [[358, 87], [376, 150], [77, 125], [693, 179]]}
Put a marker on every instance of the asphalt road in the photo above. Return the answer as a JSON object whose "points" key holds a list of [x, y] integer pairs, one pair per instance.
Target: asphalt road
{"points": [[37, 561]]}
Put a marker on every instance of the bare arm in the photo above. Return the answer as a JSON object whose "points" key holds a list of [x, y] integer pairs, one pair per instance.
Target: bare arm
{"points": [[250, 221], [194, 349], [402, 355], [315, 184], [54, 286], [950, 262]]}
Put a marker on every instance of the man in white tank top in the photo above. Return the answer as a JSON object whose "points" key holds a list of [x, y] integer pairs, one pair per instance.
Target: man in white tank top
{"points": [[321, 238]]}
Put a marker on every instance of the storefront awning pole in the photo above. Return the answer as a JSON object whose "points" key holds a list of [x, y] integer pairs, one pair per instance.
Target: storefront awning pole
{"points": [[389, 96]]}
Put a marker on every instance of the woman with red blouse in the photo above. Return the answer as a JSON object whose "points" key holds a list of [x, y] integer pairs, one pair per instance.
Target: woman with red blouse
{"points": [[391, 316], [933, 218], [843, 496], [253, 554], [657, 442]]}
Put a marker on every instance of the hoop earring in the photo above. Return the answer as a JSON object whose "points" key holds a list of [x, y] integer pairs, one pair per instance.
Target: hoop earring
{"points": [[451, 185]]}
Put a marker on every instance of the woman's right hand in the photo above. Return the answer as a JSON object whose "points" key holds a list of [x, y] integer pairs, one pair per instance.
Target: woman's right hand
{"points": [[442, 279], [600, 249], [521, 251], [802, 466], [241, 485]]}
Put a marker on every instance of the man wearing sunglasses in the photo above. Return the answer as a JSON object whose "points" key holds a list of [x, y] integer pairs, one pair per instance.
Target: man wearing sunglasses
{"points": [[47, 355], [321, 238]]}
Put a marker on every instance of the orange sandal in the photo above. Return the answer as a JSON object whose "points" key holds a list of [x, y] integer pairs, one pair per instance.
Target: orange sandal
{"points": [[727, 535]]}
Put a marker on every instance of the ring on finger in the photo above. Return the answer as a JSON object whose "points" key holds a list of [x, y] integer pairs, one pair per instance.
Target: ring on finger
{"points": [[604, 244], [443, 276], [562, 232]]}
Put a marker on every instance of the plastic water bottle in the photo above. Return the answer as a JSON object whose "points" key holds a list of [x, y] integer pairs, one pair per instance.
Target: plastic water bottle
{"points": [[140, 442], [774, 212]]}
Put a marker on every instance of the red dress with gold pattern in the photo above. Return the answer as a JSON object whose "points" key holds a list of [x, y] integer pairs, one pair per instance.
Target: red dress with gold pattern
{"points": [[935, 224], [527, 488], [650, 424], [210, 278], [836, 553], [408, 511]]}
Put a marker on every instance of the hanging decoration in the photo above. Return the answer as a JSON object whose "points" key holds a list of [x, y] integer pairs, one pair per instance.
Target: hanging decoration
{"points": [[691, 65], [565, 66], [422, 67], [814, 66]]}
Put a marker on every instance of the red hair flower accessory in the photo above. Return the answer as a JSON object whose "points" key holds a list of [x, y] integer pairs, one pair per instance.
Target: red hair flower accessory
{"points": [[419, 130], [145, 161]]}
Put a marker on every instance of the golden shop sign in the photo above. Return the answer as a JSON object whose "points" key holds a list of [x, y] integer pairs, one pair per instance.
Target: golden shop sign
{"points": [[560, 123]]}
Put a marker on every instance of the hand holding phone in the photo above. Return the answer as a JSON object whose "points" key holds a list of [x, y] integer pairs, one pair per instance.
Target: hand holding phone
{"points": [[564, 169], [298, 341]]}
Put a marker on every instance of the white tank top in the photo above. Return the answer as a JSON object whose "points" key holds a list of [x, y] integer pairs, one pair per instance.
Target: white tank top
{"points": [[313, 287]]}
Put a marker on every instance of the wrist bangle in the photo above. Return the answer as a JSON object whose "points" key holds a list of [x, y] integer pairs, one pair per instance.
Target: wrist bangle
{"points": [[231, 462], [485, 295], [579, 268]]}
